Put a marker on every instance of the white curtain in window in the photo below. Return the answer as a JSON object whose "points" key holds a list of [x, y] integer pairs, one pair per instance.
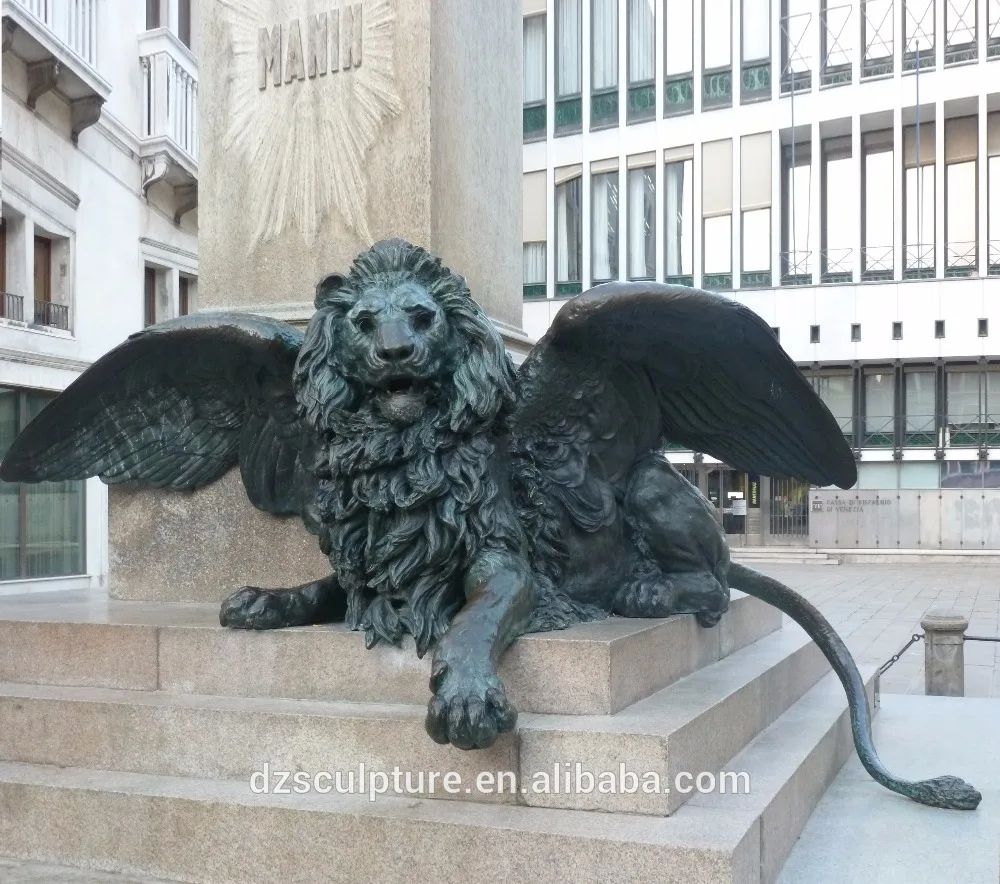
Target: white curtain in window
{"points": [[604, 25], [919, 401], [836, 391], [641, 41], [718, 34], [568, 231], [562, 234], [756, 29], [534, 263], [964, 398], [879, 402], [568, 36], [641, 213], [673, 185], [534, 58], [604, 230]]}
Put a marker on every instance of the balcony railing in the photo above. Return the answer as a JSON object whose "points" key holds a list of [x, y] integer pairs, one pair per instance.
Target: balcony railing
{"points": [[961, 259], [876, 263], [920, 431], [878, 431], [11, 307], [170, 106], [836, 265], [796, 267], [73, 22], [52, 315], [993, 257], [919, 261]]}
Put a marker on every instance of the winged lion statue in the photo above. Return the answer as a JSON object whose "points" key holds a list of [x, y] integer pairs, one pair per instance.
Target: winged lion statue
{"points": [[458, 499]]}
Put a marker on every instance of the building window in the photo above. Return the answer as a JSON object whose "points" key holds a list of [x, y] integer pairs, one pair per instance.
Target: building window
{"points": [[678, 214], [755, 75], [960, 31], [534, 78], [920, 407], [149, 297], [918, 34], [984, 328], [47, 312], [642, 223], [152, 14], [184, 21], [837, 393], [717, 214], [837, 36], [641, 60], [796, 254], [877, 38], [813, 334], [879, 408], [604, 230], [973, 405], [938, 328], [797, 27], [755, 210], [839, 210], [534, 271], [919, 202], [961, 147], [678, 92], [717, 49], [183, 296], [604, 63], [41, 525], [877, 189], [855, 332], [568, 235], [569, 110], [993, 29], [993, 191], [897, 331]]}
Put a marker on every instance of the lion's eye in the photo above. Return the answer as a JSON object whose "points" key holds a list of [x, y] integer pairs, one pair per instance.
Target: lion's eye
{"points": [[422, 319], [364, 324]]}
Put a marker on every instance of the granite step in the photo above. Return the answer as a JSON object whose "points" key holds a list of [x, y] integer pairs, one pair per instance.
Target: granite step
{"points": [[18, 871], [215, 831], [84, 639], [697, 724]]}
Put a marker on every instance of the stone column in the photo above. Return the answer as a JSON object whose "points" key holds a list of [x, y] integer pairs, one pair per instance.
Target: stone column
{"points": [[324, 128], [944, 655]]}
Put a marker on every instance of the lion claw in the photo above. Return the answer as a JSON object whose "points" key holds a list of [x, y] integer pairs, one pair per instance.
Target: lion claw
{"points": [[468, 713]]}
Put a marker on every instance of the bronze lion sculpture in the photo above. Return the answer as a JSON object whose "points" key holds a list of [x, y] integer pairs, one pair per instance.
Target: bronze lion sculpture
{"points": [[458, 499]]}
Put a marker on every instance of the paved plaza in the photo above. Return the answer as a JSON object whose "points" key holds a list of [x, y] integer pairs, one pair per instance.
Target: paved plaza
{"points": [[876, 608]]}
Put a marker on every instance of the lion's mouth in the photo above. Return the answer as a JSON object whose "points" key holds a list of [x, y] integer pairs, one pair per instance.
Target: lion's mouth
{"points": [[402, 399], [399, 385]]}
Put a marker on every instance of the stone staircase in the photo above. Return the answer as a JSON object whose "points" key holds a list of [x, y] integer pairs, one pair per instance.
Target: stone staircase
{"points": [[781, 555], [130, 733]]}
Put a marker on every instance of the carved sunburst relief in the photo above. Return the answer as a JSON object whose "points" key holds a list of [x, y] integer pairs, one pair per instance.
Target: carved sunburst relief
{"points": [[302, 131]]}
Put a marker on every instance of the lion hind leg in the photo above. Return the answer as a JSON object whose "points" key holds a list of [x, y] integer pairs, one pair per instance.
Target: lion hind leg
{"points": [[250, 607]]}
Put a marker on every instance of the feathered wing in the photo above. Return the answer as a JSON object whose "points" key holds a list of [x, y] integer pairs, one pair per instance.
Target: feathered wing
{"points": [[648, 362], [176, 406]]}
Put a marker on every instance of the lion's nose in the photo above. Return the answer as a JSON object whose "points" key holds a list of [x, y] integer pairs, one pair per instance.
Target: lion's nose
{"points": [[394, 342]]}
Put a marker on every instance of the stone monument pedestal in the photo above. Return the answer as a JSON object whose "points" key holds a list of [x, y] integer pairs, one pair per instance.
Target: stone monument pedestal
{"points": [[323, 129]]}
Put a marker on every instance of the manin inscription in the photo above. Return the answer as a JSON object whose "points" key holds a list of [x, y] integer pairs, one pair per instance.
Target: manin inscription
{"points": [[333, 43], [305, 145]]}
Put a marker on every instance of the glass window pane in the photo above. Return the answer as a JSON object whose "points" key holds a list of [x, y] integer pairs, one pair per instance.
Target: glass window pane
{"points": [[756, 240], [756, 29], [879, 403], [993, 208], [838, 34], [920, 402], [604, 57], [960, 21], [534, 58], [840, 215], [797, 35], [604, 232], [678, 182], [960, 206], [878, 22], [641, 41], [837, 393], [568, 37], [796, 228], [878, 232], [920, 216], [9, 493], [642, 223], [963, 397], [992, 403], [718, 34], [679, 37], [568, 239], [534, 263], [918, 25], [718, 244]]}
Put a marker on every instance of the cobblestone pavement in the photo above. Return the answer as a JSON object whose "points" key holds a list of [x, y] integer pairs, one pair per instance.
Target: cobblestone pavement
{"points": [[876, 608]]}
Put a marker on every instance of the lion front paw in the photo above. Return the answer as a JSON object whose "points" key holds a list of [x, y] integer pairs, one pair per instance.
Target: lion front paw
{"points": [[468, 709], [253, 608]]}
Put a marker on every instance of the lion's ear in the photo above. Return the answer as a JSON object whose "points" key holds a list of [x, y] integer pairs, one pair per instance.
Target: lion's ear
{"points": [[327, 287]]}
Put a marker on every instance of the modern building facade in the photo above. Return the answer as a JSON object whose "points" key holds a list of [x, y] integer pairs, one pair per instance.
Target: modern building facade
{"points": [[99, 182], [835, 166]]}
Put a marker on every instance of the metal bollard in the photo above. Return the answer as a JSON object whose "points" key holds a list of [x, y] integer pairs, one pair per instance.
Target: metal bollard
{"points": [[944, 654]]}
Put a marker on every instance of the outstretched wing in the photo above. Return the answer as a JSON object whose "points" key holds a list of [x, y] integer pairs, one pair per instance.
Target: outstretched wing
{"points": [[176, 406], [675, 363]]}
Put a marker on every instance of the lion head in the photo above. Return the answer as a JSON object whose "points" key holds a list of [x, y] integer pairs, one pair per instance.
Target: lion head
{"points": [[397, 340], [406, 383]]}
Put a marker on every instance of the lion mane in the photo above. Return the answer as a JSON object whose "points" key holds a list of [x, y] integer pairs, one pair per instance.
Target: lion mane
{"points": [[404, 510]]}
